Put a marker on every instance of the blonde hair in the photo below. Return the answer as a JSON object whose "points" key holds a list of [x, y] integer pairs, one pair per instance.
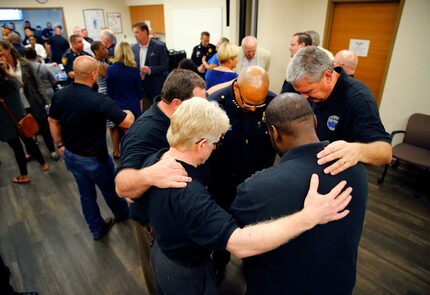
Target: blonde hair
{"points": [[227, 51], [196, 118], [124, 54]]}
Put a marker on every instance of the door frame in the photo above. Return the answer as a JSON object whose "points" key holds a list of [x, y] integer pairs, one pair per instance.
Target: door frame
{"points": [[328, 26]]}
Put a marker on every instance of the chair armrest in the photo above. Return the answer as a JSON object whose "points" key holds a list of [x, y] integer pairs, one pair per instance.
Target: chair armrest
{"points": [[396, 132]]}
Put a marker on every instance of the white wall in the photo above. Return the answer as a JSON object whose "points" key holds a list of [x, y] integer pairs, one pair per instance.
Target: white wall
{"points": [[405, 90], [278, 21], [73, 13], [171, 5]]}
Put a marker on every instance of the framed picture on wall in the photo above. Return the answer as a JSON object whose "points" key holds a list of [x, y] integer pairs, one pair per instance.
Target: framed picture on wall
{"points": [[94, 22], [114, 21]]}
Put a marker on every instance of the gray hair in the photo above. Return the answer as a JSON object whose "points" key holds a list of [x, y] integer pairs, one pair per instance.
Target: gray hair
{"points": [[107, 34], [309, 62], [315, 37]]}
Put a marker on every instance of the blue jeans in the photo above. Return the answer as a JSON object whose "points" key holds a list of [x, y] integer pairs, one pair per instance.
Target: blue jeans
{"points": [[89, 172]]}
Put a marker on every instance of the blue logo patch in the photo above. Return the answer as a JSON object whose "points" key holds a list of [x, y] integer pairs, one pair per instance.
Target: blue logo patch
{"points": [[332, 122]]}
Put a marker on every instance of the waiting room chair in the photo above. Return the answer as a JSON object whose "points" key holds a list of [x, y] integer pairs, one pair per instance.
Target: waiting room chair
{"points": [[415, 148]]}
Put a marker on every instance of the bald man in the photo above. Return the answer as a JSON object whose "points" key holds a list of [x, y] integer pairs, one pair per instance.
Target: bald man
{"points": [[347, 60], [246, 147], [252, 55], [77, 120]]}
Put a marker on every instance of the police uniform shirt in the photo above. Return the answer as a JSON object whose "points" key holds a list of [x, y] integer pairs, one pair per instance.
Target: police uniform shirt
{"points": [[246, 147], [68, 59], [111, 54], [199, 51], [322, 260], [187, 220], [349, 113]]}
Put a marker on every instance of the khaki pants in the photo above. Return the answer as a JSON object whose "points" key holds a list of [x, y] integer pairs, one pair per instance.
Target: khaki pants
{"points": [[144, 235]]}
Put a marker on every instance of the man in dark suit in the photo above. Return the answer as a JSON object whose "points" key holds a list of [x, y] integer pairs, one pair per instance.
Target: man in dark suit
{"points": [[151, 57]]}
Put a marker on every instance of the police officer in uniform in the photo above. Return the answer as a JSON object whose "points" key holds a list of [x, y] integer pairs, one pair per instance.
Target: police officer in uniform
{"points": [[71, 54], [246, 147], [203, 49]]}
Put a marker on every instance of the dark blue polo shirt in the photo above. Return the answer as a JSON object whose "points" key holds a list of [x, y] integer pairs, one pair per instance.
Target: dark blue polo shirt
{"points": [[246, 147], [144, 138], [349, 113], [188, 223], [82, 113], [322, 260]]}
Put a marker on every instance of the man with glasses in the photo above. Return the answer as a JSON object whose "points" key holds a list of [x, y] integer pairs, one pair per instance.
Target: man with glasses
{"points": [[246, 146]]}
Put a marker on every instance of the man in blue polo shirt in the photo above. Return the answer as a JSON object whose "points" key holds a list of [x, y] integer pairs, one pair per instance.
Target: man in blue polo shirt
{"points": [[77, 120], [346, 112], [322, 260]]}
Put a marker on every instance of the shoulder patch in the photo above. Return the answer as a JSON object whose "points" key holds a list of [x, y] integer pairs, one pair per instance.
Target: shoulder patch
{"points": [[332, 122]]}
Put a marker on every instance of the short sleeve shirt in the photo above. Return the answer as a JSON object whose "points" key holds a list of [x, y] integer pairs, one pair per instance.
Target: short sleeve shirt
{"points": [[82, 113], [188, 223], [349, 113]]}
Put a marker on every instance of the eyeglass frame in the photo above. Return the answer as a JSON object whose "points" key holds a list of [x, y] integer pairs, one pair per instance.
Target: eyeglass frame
{"points": [[217, 144]]}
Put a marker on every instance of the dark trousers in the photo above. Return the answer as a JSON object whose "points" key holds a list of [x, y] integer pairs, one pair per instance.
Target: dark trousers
{"points": [[145, 235], [46, 134], [174, 278], [18, 150], [5, 287]]}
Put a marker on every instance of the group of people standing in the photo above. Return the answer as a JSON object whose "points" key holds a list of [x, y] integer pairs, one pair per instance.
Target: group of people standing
{"points": [[198, 172]]}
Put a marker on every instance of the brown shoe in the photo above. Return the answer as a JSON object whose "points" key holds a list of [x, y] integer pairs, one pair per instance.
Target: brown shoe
{"points": [[45, 167], [21, 179]]}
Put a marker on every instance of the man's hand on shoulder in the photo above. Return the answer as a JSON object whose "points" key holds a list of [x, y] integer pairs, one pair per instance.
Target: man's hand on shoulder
{"points": [[322, 209], [347, 155], [167, 173]]}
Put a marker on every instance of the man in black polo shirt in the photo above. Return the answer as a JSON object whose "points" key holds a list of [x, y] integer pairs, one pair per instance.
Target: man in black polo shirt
{"points": [[322, 260], [187, 220], [78, 124], [346, 112], [146, 137], [58, 45]]}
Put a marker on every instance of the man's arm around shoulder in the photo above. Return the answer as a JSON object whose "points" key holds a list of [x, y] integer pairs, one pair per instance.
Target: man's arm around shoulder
{"points": [[266, 236]]}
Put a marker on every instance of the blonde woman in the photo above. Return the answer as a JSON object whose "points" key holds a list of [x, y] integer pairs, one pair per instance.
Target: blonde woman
{"points": [[124, 86], [227, 57]]}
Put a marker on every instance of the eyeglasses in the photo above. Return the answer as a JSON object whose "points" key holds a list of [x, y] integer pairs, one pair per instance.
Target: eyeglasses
{"points": [[249, 105], [217, 144]]}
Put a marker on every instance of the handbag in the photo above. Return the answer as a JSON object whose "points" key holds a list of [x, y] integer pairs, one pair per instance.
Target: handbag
{"points": [[27, 126]]}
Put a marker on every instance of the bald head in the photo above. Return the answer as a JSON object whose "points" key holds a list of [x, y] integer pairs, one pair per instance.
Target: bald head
{"points": [[346, 59], [252, 85], [84, 68], [249, 46]]}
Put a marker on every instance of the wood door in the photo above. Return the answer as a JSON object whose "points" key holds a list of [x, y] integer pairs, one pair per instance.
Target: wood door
{"points": [[154, 13], [374, 21]]}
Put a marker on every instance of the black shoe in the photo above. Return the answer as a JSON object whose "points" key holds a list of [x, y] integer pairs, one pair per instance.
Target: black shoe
{"points": [[109, 222]]}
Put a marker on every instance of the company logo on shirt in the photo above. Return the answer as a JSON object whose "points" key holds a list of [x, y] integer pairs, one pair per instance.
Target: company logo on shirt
{"points": [[332, 122]]}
